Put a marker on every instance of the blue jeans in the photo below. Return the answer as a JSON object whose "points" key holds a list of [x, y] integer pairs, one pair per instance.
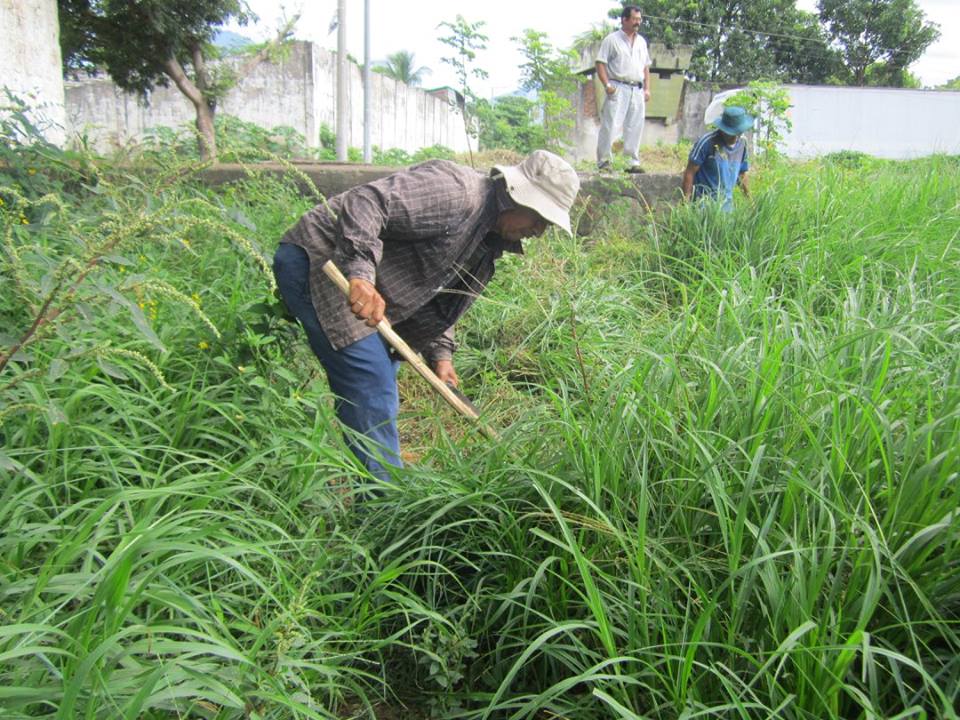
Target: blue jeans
{"points": [[362, 376]]}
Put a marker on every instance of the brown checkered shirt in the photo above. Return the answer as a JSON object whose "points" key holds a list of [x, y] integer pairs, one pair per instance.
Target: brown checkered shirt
{"points": [[424, 237]]}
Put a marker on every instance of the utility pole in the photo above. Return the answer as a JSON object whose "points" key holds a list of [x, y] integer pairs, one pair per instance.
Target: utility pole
{"points": [[367, 90], [342, 80]]}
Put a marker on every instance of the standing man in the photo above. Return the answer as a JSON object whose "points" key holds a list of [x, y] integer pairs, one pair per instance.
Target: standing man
{"points": [[417, 246], [718, 160], [623, 66]]}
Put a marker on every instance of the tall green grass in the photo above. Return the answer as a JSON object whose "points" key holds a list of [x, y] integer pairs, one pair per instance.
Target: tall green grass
{"points": [[727, 486]]}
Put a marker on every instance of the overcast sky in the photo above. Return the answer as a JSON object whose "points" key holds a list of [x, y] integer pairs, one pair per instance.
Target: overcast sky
{"points": [[412, 25]]}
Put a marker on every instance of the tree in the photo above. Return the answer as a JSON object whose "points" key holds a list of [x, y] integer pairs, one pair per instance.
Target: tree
{"points": [[547, 71], [882, 74], [150, 43], [400, 66], [508, 123], [466, 39], [735, 41], [953, 84], [892, 32], [769, 104]]}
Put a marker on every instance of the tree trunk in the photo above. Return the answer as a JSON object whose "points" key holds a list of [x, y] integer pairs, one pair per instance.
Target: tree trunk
{"points": [[205, 112], [198, 93], [206, 135]]}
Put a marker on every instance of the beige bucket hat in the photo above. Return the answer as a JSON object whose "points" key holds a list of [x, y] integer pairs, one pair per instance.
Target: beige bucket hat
{"points": [[545, 183]]}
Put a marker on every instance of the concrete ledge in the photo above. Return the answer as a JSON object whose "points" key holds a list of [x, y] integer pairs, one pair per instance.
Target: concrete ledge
{"points": [[647, 191]]}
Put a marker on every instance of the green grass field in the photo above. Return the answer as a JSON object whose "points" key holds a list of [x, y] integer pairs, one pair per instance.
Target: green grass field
{"points": [[727, 488]]}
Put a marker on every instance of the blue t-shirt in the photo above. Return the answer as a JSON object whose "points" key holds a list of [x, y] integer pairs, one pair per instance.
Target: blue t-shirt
{"points": [[720, 166]]}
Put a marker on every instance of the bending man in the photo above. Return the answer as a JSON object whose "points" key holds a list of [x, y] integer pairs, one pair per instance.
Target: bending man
{"points": [[417, 246], [718, 160]]}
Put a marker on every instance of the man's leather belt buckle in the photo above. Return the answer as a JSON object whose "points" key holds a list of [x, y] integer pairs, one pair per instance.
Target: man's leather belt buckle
{"points": [[631, 84]]}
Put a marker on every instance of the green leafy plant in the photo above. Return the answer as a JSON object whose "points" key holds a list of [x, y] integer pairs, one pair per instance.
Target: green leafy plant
{"points": [[148, 44], [508, 123], [547, 71], [465, 39], [769, 103], [726, 482], [237, 140]]}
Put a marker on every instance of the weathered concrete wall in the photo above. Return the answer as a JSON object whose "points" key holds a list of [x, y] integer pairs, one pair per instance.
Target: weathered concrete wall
{"points": [[587, 126], [695, 102], [298, 90], [30, 65], [655, 131], [885, 122]]}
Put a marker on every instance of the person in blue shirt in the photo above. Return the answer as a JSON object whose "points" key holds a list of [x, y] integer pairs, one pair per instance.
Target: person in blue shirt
{"points": [[718, 160]]}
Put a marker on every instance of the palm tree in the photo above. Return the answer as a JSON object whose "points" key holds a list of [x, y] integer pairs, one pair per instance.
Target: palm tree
{"points": [[399, 66], [593, 36]]}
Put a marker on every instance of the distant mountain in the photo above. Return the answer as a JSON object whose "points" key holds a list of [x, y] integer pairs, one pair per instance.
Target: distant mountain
{"points": [[230, 40]]}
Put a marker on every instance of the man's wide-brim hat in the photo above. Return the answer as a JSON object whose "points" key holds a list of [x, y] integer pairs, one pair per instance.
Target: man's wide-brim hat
{"points": [[734, 121], [545, 183]]}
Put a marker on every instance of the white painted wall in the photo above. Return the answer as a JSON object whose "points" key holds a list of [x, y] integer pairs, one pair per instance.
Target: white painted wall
{"points": [[30, 62], [884, 122], [298, 91]]}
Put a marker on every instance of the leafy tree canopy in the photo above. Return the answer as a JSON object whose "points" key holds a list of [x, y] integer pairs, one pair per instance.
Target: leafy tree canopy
{"points": [[147, 43], [736, 41], [508, 122], [134, 41], [883, 74], [892, 32], [953, 84]]}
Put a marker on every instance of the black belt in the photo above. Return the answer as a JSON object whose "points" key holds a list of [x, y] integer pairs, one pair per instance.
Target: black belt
{"points": [[631, 84]]}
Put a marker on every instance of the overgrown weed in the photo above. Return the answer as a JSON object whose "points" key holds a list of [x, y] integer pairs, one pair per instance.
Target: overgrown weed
{"points": [[727, 481]]}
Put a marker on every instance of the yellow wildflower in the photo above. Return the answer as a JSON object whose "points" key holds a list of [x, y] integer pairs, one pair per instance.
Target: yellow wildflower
{"points": [[203, 345], [241, 368]]}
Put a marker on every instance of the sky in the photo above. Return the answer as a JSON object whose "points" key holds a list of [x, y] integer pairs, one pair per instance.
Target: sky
{"points": [[412, 25]]}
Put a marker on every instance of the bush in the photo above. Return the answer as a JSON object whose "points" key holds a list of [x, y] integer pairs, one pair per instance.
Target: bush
{"points": [[237, 141]]}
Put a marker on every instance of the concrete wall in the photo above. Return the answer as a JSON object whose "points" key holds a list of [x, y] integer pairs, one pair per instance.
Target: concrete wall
{"points": [[884, 122], [692, 108], [587, 126], [30, 63], [298, 90]]}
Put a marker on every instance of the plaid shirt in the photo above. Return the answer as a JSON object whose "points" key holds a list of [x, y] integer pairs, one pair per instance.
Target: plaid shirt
{"points": [[423, 236]]}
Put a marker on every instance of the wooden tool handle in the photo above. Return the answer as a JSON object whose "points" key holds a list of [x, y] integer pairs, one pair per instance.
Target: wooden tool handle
{"points": [[400, 345]]}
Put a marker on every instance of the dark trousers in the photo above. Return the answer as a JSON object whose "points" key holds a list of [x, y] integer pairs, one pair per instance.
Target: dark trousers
{"points": [[363, 376]]}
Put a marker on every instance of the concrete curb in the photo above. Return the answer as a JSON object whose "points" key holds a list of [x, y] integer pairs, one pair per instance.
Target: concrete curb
{"points": [[647, 191]]}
